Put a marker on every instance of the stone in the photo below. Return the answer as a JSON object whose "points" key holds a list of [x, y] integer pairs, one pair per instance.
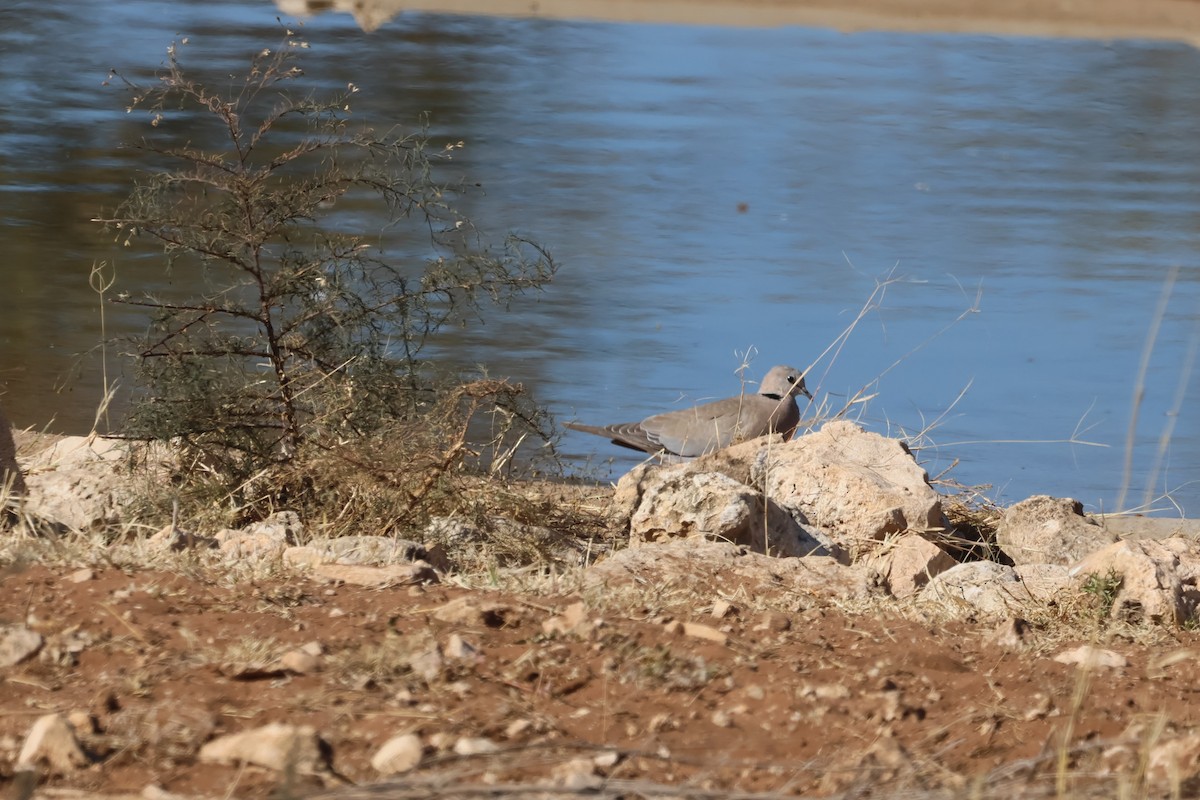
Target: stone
{"points": [[78, 482], [722, 609], [857, 487], [282, 526], [1172, 763], [976, 587], [398, 754], [258, 545], [300, 662], [698, 630], [277, 746], [577, 775], [18, 643], [517, 727], [907, 563], [51, 743], [1087, 656], [1157, 578], [1049, 530], [469, 610], [427, 662], [82, 575], [393, 575], [736, 569], [460, 649], [685, 503], [1012, 634], [571, 620], [357, 550], [475, 746]]}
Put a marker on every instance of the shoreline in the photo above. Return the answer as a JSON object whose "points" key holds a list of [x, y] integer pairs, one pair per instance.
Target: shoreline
{"points": [[1175, 20]]}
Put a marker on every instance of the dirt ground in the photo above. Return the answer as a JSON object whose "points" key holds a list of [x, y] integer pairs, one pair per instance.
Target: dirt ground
{"points": [[804, 699]]}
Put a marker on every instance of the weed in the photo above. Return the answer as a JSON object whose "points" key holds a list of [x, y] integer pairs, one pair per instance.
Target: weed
{"points": [[309, 340]]}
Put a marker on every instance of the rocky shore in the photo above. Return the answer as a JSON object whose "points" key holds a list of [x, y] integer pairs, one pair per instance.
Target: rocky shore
{"points": [[808, 617]]}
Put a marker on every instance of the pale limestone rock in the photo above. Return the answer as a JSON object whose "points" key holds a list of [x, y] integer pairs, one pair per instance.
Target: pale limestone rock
{"points": [[11, 479], [460, 649], [1158, 579], [51, 742], [855, 486], [684, 564], [300, 662], [470, 610], [722, 609], [17, 643], [995, 590], [976, 587], [1087, 657], [699, 630], [282, 526], [571, 620], [398, 754], [393, 575], [77, 482], [517, 727], [708, 505], [82, 575], [277, 746], [356, 550], [1012, 634], [1049, 530], [908, 562], [427, 662], [577, 775], [1045, 582], [1174, 762], [244, 545], [475, 746]]}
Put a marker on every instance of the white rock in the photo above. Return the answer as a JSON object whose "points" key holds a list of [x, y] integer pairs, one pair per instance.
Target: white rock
{"points": [[17, 643], [277, 746], [855, 486], [300, 662], [1158, 578], [1088, 656], [77, 482], [908, 562], [1049, 530], [682, 502], [733, 567], [51, 742], [459, 648], [474, 746], [398, 754], [393, 575]]}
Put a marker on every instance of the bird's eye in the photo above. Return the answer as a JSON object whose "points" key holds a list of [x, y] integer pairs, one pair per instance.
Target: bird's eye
{"points": [[791, 378]]}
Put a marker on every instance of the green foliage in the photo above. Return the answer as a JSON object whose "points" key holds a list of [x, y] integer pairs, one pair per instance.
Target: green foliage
{"points": [[305, 334], [1104, 588]]}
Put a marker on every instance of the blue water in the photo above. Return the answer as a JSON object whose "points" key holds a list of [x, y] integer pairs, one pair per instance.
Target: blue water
{"points": [[1038, 191]]}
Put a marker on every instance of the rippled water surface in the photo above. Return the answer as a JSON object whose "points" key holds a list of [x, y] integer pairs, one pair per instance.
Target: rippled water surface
{"points": [[711, 191]]}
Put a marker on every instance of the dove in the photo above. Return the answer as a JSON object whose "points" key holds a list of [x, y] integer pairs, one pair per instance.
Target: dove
{"points": [[711, 426]]}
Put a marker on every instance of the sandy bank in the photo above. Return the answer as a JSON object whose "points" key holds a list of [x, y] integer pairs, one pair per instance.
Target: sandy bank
{"points": [[1104, 19]]}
